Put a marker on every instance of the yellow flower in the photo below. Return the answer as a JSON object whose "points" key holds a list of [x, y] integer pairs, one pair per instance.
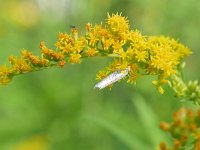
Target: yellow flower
{"points": [[165, 54], [160, 89], [21, 66], [118, 25], [93, 39], [138, 50], [95, 34], [66, 49], [88, 26], [123, 65], [44, 62], [63, 37], [64, 43], [102, 74], [74, 58], [107, 43], [11, 59], [114, 65], [52, 55], [62, 63], [91, 52], [133, 74], [79, 45], [30, 57], [74, 32], [117, 49], [141, 56], [5, 74]]}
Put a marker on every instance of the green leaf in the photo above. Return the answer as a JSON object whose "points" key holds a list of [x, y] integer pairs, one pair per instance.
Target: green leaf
{"points": [[128, 139], [148, 119]]}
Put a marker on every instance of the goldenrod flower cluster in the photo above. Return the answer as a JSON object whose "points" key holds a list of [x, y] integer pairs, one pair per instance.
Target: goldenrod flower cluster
{"points": [[144, 55], [184, 130]]}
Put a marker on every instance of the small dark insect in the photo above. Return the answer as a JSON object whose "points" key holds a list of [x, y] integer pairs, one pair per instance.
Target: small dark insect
{"points": [[72, 27]]}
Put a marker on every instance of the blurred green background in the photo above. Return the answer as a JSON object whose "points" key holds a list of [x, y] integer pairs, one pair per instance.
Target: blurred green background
{"points": [[57, 109]]}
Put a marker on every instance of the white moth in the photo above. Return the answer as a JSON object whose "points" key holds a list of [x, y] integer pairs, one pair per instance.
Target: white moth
{"points": [[112, 78]]}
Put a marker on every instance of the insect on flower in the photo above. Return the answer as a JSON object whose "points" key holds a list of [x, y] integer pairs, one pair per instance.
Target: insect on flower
{"points": [[74, 31], [112, 78]]}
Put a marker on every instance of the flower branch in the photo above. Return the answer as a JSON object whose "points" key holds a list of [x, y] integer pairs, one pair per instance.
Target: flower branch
{"points": [[144, 55]]}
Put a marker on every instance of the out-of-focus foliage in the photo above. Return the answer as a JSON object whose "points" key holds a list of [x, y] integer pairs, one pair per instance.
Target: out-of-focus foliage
{"points": [[58, 108], [184, 128]]}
